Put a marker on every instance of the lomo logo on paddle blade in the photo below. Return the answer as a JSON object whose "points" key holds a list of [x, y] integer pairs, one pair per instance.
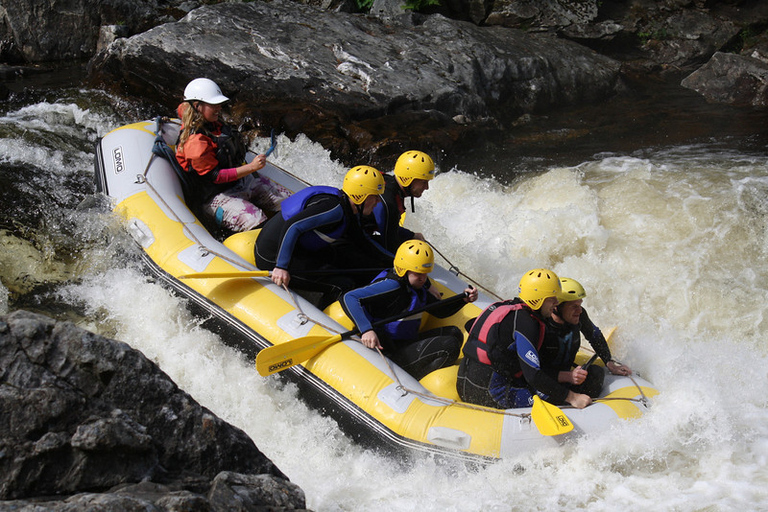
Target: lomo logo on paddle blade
{"points": [[562, 420], [281, 364], [118, 159]]}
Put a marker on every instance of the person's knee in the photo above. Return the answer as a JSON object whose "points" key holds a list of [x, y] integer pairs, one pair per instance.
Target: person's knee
{"points": [[593, 385]]}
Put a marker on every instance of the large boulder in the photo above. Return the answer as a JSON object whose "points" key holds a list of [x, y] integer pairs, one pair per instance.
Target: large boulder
{"points": [[355, 83], [546, 14], [661, 37], [732, 79], [94, 422], [50, 30]]}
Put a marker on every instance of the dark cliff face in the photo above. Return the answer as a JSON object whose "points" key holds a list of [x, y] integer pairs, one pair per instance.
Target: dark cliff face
{"points": [[368, 87], [84, 414]]}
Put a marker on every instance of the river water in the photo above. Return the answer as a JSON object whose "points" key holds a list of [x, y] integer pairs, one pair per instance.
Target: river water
{"points": [[666, 230]]}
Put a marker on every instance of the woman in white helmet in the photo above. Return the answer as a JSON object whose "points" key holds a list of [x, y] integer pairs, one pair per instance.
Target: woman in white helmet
{"points": [[229, 190]]}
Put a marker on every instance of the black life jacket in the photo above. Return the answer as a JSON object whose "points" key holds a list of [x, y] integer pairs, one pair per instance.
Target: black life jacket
{"points": [[230, 152], [482, 337]]}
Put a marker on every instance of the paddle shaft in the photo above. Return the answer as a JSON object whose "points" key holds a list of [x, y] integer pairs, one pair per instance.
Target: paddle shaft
{"points": [[589, 363], [273, 144], [267, 273]]}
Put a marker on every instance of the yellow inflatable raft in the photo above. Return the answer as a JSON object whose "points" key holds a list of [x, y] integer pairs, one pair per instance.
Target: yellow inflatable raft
{"points": [[370, 398]]}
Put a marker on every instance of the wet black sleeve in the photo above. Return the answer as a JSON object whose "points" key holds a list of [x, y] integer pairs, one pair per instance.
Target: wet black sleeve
{"points": [[595, 337]]}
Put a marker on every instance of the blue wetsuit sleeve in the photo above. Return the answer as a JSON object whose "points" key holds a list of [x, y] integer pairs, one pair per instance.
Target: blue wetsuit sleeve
{"points": [[307, 221], [354, 301], [527, 353]]}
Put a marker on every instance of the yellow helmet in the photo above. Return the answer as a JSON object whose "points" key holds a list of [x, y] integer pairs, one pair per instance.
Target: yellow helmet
{"points": [[537, 285], [414, 164], [362, 181], [571, 290], [414, 255]]}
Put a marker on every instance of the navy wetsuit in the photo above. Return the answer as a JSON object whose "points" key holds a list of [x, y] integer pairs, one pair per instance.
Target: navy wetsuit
{"points": [[415, 352], [318, 230]]}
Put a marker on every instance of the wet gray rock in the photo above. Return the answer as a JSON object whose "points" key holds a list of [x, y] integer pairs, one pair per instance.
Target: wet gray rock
{"points": [[732, 79], [363, 83], [543, 14], [89, 423], [49, 30]]}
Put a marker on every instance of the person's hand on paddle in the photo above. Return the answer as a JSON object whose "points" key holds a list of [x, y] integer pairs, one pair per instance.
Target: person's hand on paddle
{"points": [[617, 368], [280, 276], [471, 294], [371, 340], [578, 400], [258, 162], [575, 377]]}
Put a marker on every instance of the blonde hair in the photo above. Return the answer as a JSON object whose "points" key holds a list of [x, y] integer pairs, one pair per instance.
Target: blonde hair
{"points": [[192, 121]]}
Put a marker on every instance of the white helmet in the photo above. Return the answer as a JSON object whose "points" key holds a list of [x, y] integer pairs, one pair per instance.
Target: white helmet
{"points": [[205, 90]]}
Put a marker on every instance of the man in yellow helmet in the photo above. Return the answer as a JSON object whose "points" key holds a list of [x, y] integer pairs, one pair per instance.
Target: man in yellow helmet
{"points": [[562, 342], [401, 290], [319, 228], [501, 366], [412, 174]]}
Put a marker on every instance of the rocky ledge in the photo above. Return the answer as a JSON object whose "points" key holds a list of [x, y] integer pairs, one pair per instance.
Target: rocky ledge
{"points": [[368, 85], [358, 85], [88, 423]]}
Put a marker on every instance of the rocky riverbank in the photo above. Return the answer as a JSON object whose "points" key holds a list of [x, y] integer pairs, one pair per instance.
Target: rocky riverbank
{"points": [[369, 85], [89, 423]]}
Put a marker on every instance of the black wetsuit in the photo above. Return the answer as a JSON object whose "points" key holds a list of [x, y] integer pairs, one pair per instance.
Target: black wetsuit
{"points": [[321, 233], [384, 224], [562, 343], [504, 371]]}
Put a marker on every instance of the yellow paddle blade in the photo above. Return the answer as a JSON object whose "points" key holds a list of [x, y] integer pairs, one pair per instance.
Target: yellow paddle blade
{"points": [[549, 419], [608, 334], [220, 275], [279, 357]]}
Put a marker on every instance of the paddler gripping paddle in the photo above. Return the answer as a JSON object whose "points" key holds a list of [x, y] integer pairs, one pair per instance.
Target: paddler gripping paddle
{"points": [[280, 357], [550, 419]]}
